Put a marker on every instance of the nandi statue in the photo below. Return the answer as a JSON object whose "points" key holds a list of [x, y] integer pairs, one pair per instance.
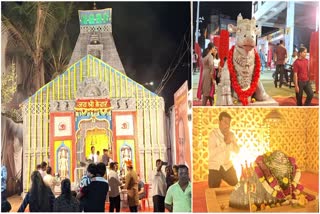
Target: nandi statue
{"points": [[242, 70]]}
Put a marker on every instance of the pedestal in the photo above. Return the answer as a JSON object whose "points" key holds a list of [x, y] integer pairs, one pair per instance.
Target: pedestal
{"points": [[217, 200]]}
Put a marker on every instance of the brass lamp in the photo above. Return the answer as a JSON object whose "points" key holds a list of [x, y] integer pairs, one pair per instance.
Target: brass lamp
{"points": [[273, 117]]}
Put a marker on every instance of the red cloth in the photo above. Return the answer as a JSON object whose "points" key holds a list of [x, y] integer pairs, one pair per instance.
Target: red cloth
{"points": [[216, 42], [281, 53], [197, 50], [300, 66], [224, 46], [269, 57], [314, 59]]}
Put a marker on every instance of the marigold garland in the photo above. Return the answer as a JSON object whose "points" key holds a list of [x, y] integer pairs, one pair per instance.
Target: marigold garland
{"points": [[272, 185], [244, 94]]}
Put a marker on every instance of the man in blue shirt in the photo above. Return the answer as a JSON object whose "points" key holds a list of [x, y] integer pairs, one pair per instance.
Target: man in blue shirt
{"points": [[3, 183], [5, 205]]}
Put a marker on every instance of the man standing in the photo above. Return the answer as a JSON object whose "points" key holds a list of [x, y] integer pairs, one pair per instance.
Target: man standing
{"points": [[50, 180], [178, 198], [93, 156], [43, 169], [262, 60], [131, 185], [280, 59], [159, 188], [115, 183], [105, 157], [221, 143], [301, 78]]}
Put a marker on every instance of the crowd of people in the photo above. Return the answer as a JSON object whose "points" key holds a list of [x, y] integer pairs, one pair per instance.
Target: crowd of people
{"points": [[171, 189]]}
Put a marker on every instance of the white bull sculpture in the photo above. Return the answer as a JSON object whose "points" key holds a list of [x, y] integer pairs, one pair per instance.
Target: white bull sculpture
{"points": [[242, 70]]}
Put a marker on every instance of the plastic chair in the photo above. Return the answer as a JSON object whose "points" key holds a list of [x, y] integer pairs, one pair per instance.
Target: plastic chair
{"points": [[146, 197]]}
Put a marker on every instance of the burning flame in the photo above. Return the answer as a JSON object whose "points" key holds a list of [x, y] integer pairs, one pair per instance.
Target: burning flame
{"points": [[248, 152]]}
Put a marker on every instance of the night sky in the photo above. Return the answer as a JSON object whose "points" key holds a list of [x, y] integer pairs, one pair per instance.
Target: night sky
{"points": [[229, 9], [147, 36]]}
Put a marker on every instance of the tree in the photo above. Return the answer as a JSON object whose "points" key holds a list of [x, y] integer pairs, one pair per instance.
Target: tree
{"points": [[34, 27]]}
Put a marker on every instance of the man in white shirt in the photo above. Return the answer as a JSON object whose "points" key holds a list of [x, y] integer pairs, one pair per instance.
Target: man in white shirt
{"points": [[159, 188], [221, 143], [50, 180], [93, 156], [114, 183]]}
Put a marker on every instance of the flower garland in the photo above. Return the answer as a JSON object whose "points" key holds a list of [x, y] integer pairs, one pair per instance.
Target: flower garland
{"points": [[244, 94], [271, 183]]}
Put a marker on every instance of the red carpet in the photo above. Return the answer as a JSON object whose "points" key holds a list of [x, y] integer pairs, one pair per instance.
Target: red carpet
{"points": [[308, 180], [291, 101]]}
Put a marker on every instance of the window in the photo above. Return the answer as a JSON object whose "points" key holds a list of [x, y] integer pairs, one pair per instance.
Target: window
{"points": [[255, 6]]}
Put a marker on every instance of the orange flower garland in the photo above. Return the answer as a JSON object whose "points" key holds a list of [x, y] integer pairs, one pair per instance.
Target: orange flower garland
{"points": [[244, 94]]}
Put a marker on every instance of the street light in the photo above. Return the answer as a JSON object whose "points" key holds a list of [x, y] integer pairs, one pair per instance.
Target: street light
{"points": [[149, 83]]}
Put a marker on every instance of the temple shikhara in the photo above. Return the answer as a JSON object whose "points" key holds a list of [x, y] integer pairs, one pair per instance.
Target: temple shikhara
{"points": [[93, 103]]}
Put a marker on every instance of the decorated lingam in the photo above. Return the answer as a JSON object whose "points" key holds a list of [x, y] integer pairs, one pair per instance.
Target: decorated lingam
{"points": [[272, 180]]}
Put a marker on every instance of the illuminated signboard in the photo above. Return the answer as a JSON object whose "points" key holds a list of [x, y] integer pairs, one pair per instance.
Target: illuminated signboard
{"points": [[95, 17]]}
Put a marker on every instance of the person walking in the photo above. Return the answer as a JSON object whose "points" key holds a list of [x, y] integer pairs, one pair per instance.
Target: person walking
{"points": [[208, 77], [262, 60], [301, 78]]}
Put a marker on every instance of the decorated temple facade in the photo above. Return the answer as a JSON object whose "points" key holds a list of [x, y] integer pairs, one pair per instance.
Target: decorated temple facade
{"points": [[93, 103]]}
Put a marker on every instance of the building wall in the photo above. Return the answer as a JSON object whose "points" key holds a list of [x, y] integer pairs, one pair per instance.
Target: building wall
{"points": [[296, 134]]}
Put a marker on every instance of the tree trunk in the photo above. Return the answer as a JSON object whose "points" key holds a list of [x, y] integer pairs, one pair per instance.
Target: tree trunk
{"points": [[38, 55]]}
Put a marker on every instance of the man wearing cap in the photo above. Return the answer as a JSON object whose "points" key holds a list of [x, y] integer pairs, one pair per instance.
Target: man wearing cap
{"points": [[159, 188], [131, 184]]}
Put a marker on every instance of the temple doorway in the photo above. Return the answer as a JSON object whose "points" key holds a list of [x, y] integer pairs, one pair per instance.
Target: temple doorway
{"points": [[98, 138]]}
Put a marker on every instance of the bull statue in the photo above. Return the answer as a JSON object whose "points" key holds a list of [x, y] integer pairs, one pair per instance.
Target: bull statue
{"points": [[242, 70]]}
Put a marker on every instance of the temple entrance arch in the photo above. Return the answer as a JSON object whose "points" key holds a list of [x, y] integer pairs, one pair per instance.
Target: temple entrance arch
{"points": [[93, 119], [93, 132]]}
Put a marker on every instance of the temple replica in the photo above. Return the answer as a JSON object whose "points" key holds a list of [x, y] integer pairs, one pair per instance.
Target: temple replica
{"points": [[93, 103]]}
